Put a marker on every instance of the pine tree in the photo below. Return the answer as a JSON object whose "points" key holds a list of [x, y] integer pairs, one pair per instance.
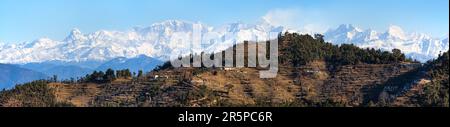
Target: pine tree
{"points": [[140, 73], [119, 73], [109, 75], [398, 56], [127, 73], [55, 78]]}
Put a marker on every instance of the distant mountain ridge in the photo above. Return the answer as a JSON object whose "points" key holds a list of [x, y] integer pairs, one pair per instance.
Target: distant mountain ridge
{"points": [[153, 41], [415, 45], [64, 72], [142, 62], [11, 75], [68, 70]]}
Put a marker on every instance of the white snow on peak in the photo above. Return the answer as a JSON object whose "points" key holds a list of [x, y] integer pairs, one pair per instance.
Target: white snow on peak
{"points": [[345, 33], [159, 40], [445, 38], [2, 45], [415, 45], [419, 36], [395, 32], [75, 35]]}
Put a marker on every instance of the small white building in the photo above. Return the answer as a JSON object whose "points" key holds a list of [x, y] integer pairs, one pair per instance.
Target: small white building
{"points": [[229, 69]]}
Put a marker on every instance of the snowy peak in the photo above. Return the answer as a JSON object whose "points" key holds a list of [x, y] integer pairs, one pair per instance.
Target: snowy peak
{"points": [[416, 45], [445, 42], [369, 35], [345, 33], [75, 35], [174, 26], [76, 32], [164, 30], [345, 29], [348, 28], [395, 33], [41, 43], [236, 27], [445, 38]]}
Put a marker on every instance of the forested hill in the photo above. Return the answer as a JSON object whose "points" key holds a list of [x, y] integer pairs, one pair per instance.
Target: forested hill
{"points": [[299, 49]]}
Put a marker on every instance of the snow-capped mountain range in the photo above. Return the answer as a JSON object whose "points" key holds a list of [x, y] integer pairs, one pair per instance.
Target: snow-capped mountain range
{"points": [[154, 41], [157, 41], [415, 45]]}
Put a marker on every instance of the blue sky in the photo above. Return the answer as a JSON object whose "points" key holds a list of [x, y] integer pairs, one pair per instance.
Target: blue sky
{"points": [[27, 20]]}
